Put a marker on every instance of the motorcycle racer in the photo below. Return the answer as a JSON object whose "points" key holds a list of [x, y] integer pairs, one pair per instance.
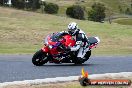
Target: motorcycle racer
{"points": [[72, 46], [80, 37]]}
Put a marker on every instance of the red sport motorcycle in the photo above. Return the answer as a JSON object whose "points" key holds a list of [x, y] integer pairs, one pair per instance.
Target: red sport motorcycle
{"points": [[55, 50]]}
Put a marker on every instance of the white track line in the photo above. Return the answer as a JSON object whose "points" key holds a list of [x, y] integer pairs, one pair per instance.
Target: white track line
{"points": [[125, 75]]}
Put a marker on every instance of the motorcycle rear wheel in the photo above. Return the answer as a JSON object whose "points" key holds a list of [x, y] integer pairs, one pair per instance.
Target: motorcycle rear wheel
{"points": [[39, 58], [80, 60], [87, 55]]}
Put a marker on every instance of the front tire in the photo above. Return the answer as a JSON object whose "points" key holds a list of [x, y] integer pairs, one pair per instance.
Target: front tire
{"points": [[39, 58]]}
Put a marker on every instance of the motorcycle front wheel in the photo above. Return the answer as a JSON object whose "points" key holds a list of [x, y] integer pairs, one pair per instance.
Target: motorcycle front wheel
{"points": [[39, 58]]}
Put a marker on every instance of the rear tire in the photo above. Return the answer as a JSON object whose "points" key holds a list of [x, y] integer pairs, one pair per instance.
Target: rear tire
{"points": [[39, 58], [87, 55], [78, 61], [82, 60]]}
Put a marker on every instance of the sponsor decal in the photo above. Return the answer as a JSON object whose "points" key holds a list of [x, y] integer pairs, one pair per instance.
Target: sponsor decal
{"points": [[85, 81]]}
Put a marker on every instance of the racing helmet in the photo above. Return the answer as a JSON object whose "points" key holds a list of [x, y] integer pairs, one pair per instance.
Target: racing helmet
{"points": [[72, 28]]}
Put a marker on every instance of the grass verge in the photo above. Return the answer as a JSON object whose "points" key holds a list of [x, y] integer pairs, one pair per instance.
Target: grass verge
{"points": [[23, 32], [124, 21], [74, 84]]}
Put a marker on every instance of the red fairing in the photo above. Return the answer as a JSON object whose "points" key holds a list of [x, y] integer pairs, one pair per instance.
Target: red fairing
{"points": [[69, 41], [54, 51], [45, 49], [50, 42], [92, 46]]}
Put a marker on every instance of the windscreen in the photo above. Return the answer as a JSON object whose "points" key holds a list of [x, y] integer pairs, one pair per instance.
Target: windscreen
{"points": [[55, 37]]}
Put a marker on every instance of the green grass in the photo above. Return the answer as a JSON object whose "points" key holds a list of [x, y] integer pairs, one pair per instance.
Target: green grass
{"points": [[23, 32], [124, 21], [113, 5]]}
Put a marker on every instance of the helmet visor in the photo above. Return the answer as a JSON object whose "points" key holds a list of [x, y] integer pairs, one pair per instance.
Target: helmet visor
{"points": [[71, 31]]}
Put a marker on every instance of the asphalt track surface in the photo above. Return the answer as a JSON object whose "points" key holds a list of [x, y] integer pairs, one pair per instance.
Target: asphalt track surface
{"points": [[20, 67]]}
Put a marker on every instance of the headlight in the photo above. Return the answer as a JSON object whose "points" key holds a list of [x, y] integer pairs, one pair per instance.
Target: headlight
{"points": [[50, 46]]}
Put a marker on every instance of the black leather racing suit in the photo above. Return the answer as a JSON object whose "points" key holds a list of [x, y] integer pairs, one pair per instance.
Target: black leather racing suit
{"points": [[81, 42]]}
